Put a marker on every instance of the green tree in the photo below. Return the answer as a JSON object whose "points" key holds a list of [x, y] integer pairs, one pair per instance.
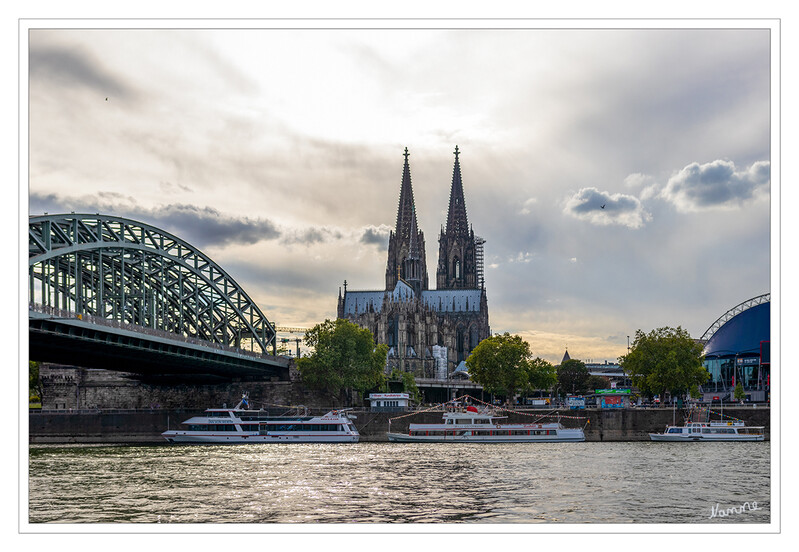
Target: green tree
{"points": [[597, 382], [34, 382], [573, 377], [503, 364], [344, 357], [540, 375], [665, 359], [408, 382], [739, 392]]}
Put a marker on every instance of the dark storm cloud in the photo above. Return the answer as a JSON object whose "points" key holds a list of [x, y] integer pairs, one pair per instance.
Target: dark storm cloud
{"points": [[311, 236], [39, 204], [376, 235], [200, 226], [716, 184], [207, 226], [604, 208], [73, 68]]}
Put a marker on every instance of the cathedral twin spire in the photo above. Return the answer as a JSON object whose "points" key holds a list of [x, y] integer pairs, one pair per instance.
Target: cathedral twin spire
{"points": [[406, 212], [406, 249], [457, 222]]}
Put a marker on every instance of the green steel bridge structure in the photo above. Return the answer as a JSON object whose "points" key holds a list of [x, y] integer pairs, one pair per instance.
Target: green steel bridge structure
{"points": [[113, 293]]}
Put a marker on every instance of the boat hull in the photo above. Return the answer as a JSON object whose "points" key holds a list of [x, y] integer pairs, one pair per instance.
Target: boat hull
{"points": [[574, 436], [184, 437], [693, 438]]}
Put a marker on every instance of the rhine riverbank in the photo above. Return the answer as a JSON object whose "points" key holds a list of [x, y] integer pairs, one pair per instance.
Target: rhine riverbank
{"points": [[145, 426]]}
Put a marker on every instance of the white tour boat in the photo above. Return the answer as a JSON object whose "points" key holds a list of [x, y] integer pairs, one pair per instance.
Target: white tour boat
{"points": [[239, 425], [710, 431], [473, 426]]}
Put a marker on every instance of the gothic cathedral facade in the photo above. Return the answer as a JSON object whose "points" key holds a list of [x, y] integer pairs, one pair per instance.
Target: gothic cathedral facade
{"points": [[430, 333]]}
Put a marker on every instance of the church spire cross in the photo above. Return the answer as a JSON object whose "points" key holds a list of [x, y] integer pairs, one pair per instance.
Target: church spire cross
{"points": [[457, 221]]}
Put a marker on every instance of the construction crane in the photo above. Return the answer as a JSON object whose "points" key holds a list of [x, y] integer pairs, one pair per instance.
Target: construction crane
{"points": [[296, 339], [288, 329]]}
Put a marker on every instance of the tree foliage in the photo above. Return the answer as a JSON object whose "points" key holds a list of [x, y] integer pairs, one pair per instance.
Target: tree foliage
{"points": [[665, 359], [573, 376], [345, 357], [408, 383], [34, 382], [739, 392], [503, 364], [597, 382]]}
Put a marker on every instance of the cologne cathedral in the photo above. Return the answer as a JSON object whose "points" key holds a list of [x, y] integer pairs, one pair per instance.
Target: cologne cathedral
{"points": [[430, 333]]}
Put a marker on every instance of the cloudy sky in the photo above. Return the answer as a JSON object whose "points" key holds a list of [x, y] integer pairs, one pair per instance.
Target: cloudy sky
{"points": [[620, 177]]}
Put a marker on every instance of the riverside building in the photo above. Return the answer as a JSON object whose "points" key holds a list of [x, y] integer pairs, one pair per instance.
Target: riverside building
{"points": [[737, 349]]}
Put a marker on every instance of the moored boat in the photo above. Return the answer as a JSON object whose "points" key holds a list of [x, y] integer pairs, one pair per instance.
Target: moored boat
{"points": [[471, 425], [710, 431], [699, 427], [240, 425]]}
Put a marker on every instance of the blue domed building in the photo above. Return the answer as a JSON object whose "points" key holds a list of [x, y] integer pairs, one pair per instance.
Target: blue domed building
{"points": [[737, 349]]}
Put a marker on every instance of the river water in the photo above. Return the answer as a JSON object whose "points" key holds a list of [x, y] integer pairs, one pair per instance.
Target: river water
{"points": [[583, 483]]}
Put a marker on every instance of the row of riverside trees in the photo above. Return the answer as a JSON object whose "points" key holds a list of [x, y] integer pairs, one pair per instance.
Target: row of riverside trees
{"points": [[346, 358]]}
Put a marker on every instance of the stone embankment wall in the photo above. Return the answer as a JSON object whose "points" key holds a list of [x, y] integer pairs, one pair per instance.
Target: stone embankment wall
{"points": [[74, 388], [144, 426]]}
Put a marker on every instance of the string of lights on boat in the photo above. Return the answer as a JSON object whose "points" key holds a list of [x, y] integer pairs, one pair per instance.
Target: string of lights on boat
{"points": [[537, 416]]}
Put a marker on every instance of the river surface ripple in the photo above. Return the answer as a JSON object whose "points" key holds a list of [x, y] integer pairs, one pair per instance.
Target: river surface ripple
{"points": [[632, 482]]}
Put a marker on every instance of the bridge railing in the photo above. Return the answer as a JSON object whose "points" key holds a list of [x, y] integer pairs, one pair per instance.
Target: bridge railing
{"points": [[118, 324]]}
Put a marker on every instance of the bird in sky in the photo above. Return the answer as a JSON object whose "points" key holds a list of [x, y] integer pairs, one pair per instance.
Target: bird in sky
{"points": [[602, 206]]}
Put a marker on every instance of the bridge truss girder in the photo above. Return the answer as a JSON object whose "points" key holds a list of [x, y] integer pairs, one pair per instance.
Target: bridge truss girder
{"points": [[130, 272]]}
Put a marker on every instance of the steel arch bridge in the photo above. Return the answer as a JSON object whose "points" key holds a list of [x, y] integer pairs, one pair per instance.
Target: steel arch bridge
{"points": [[736, 310], [114, 269]]}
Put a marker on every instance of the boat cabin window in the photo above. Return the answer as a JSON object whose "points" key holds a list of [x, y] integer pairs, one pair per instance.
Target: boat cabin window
{"points": [[300, 427], [675, 430], [212, 427], [751, 430]]}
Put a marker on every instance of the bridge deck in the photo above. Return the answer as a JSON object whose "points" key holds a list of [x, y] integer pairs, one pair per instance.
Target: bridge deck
{"points": [[130, 348]]}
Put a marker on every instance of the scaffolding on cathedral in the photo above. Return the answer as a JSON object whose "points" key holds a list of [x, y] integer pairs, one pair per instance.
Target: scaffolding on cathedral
{"points": [[478, 254]]}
